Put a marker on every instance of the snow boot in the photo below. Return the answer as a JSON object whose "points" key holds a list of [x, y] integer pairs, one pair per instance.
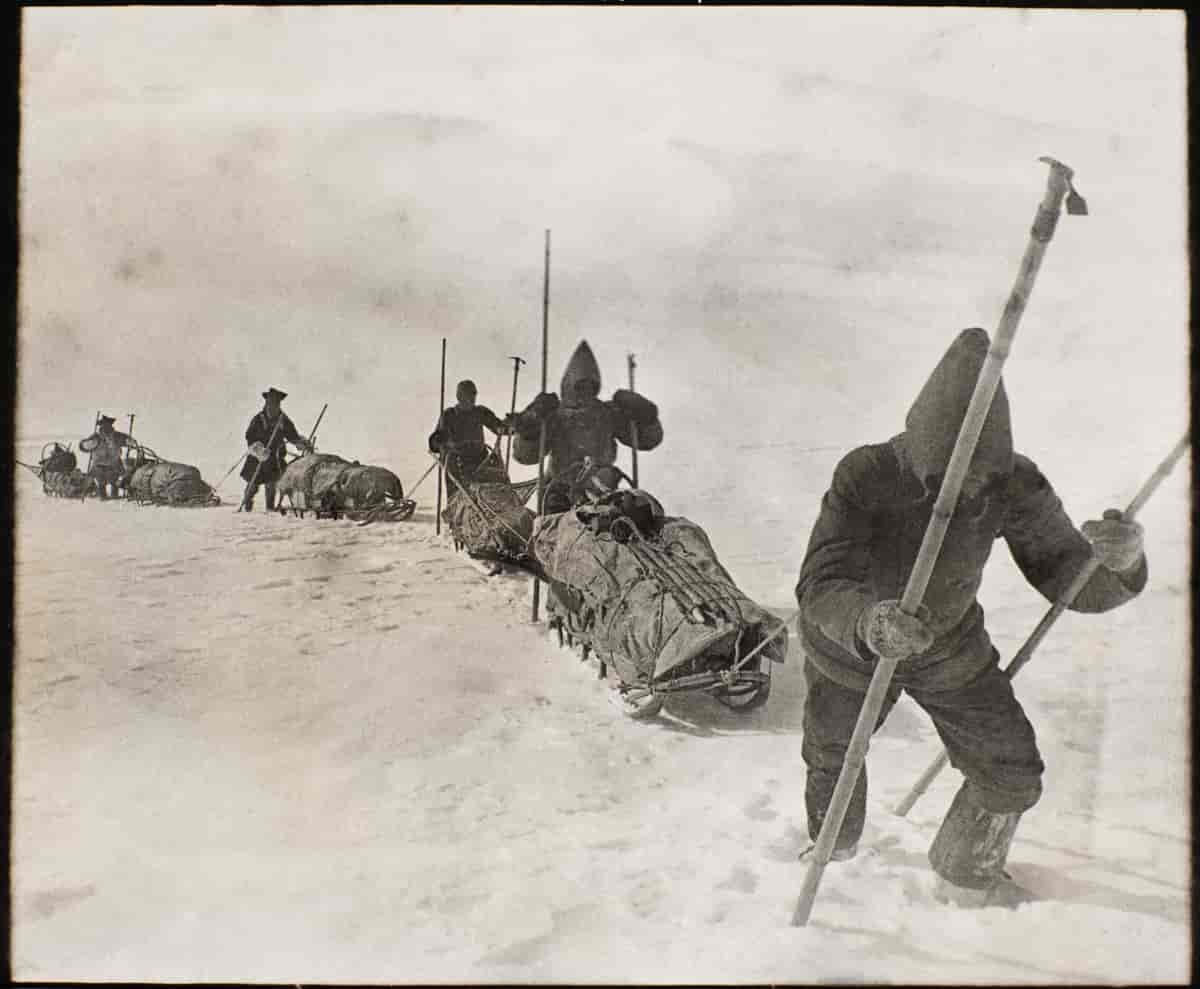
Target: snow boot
{"points": [[1005, 893], [970, 850]]}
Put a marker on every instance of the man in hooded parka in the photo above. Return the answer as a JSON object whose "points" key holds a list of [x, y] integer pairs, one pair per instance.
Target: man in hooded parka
{"points": [[861, 551], [459, 435], [267, 447], [582, 427]]}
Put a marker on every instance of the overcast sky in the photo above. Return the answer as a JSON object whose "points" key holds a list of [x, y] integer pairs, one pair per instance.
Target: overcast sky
{"points": [[785, 212]]}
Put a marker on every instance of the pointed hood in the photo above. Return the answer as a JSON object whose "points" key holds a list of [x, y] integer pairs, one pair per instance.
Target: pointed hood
{"points": [[935, 418], [581, 367]]}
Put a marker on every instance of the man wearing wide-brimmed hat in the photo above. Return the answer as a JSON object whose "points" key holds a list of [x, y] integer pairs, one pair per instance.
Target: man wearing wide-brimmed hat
{"points": [[105, 446], [267, 437]]}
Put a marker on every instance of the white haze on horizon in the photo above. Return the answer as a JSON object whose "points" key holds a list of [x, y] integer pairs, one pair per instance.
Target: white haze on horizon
{"points": [[785, 213]]}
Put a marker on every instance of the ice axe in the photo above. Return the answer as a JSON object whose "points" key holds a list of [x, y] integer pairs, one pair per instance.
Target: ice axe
{"points": [[1025, 653], [1058, 186], [517, 362]]}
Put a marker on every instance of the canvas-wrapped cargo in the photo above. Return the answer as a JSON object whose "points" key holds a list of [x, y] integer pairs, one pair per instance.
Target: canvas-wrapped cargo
{"points": [[165, 482], [486, 513], [329, 485], [65, 484], [490, 521], [650, 597]]}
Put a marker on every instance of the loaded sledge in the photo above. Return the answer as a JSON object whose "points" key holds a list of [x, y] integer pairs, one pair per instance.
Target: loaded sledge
{"points": [[331, 487], [645, 593], [145, 479]]}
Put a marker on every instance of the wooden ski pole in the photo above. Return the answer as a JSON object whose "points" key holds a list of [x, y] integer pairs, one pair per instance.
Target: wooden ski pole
{"points": [[1057, 187], [313, 435], [437, 518], [1025, 653], [235, 466], [537, 584], [517, 362], [244, 506], [633, 430]]}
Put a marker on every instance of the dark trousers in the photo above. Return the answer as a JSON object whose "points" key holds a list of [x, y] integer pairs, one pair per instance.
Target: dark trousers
{"points": [[982, 725], [252, 490], [106, 477]]}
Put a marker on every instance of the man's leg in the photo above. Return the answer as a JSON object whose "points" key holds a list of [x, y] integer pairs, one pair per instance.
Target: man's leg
{"points": [[991, 742], [830, 713], [248, 496], [270, 488]]}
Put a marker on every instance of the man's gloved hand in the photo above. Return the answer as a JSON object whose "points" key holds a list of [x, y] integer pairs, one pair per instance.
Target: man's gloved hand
{"points": [[306, 446], [891, 634], [258, 451], [435, 441], [1117, 544], [639, 408], [542, 407], [529, 422]]}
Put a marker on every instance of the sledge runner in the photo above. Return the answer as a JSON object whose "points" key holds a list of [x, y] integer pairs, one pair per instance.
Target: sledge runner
{"points": [[267, 437], [582, 429], [863, 545], [107, 468], [459, 436]]}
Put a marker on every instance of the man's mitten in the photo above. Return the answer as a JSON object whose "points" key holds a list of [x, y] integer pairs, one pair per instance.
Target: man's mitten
{"points": [[639, 408], [529, 422], [258, 451], [1116, 543], [890, 633]]}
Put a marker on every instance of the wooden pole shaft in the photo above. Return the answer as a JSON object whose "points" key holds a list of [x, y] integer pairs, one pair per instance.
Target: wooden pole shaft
{"points": [[537, 584], [1025, 653], [437, 525]]}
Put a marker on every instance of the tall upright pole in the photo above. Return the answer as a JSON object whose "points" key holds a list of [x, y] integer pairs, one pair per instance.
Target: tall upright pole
{"points": [[441, 457], [517, 362], [1057, 187], [633, 430], [537, 584], [92, 451]]}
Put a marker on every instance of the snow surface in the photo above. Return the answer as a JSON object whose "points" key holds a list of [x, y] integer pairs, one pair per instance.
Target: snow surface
{"points": [[254, 748]]}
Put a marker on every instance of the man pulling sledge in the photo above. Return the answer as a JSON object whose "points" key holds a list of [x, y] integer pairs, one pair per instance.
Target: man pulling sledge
{"points": [[105, 445], [267, 437], [582, 428], [860, 553], [459, 436]]}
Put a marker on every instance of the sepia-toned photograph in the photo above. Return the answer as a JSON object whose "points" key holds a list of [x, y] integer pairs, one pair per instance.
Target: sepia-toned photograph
{"points": [[545, 494]]}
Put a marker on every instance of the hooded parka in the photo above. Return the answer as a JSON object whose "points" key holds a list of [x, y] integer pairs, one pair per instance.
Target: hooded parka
{"points": [[583, 426]]}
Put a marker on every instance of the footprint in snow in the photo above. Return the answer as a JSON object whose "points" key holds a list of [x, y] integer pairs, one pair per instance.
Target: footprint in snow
{"points": [[271, 585], [759, 809], [741, 880]]}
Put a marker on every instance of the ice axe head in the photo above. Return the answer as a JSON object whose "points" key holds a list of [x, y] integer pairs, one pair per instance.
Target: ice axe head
{"points": [[1061, 184], [517, 361]]}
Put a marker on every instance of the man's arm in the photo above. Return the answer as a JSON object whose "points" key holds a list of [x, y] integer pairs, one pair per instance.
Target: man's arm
{"points": [[492, 421], [834, 588], [632, 409], [1050, 551]]}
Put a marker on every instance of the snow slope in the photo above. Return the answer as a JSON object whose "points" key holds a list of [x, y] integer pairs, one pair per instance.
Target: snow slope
{"points": [[255, 748]]}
